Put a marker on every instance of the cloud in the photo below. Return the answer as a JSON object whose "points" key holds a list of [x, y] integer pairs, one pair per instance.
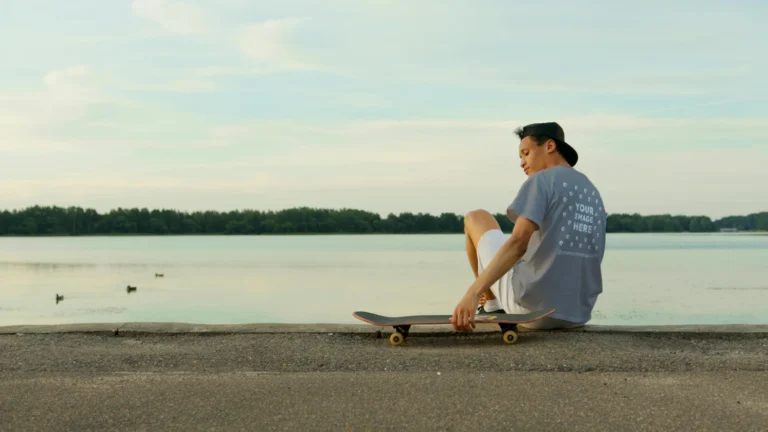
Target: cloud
{"points": [[72, 87], [132, 189], [77, 108], [65, 77], [34, 120], [627, 133], [271, 43], [419, 165], [705, 104], [438, 124], [181, 85], [478, 152], [445, 135], [172, 16], [217, 71], [190, 85]]}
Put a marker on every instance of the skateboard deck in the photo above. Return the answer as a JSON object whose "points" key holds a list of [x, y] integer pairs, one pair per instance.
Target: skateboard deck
{"points": [[402, 324]]}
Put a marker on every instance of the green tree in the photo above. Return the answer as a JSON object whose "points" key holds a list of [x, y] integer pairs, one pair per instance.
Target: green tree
{"points": [[157, 226], [37, 220]]}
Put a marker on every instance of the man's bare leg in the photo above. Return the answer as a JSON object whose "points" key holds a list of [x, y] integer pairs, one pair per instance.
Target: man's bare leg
{"points": [[472, 255], [477, 223]]}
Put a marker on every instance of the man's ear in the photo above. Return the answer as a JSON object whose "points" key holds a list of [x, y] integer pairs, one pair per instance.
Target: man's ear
{"points": [[551, 146]]}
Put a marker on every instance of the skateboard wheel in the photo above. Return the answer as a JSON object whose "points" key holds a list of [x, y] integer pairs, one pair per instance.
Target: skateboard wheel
{"points": [[510, 337], [396, 338]]}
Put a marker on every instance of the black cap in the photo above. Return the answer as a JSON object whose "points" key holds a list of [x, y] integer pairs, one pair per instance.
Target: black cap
{"points": [[554, 131]]}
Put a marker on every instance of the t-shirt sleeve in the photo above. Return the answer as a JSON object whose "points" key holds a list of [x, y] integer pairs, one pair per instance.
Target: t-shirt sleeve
{"points": [[532, 200]]}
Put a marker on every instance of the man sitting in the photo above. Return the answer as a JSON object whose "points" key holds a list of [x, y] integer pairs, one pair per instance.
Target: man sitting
{"points": [[553, 257]]}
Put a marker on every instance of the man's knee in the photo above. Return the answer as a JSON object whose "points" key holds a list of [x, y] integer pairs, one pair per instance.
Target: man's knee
{"points": [[476, 217], [477, 222]]}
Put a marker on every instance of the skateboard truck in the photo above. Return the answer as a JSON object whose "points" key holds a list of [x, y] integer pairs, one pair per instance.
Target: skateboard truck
{"points": [[400, 334], [510, 332]]}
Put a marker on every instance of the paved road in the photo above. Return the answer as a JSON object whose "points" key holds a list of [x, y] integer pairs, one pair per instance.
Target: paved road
{"points": [[551, 381]]}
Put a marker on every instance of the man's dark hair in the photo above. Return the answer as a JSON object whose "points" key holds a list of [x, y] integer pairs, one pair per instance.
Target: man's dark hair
{"points": [[539, 139]]}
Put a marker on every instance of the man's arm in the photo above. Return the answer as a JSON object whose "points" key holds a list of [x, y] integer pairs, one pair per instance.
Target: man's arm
{"points": [[510, 253]]}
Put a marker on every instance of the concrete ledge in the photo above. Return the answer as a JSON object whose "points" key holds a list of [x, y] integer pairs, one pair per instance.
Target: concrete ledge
{"points": [[170, 327], [692, 328]]}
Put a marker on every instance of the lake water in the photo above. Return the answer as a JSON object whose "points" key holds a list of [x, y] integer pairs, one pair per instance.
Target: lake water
{"points": [[648, 278]]}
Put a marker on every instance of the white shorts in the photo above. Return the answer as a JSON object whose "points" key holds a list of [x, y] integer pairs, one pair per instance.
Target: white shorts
{"points": [[487, 247]]}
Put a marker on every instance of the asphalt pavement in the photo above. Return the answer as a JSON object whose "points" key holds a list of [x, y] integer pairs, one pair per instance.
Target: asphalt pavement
{"points": [[341, 381]]}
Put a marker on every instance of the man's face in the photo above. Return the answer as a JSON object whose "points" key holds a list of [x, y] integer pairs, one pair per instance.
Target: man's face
{"points": [[533, 157]]}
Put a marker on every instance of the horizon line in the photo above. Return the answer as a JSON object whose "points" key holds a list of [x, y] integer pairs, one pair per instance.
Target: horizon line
{"points": [[386, 214]]}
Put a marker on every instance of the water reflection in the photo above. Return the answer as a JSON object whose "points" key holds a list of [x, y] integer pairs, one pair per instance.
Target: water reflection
{"points": [[651, 279], [740, 289], [48, 266], [75, 312]]}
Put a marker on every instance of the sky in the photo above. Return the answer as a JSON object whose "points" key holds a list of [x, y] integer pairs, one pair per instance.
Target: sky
{"points": [[386, 106]]}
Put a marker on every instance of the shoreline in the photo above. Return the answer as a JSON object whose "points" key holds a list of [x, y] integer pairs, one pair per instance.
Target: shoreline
{"points": [[319, 328], [311, 234]]}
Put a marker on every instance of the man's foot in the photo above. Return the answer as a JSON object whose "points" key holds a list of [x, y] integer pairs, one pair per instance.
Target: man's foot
{"points": [[481, 311], [489, 307]]}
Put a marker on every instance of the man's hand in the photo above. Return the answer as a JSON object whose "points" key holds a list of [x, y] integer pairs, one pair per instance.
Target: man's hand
{"points": [[463, 318]]}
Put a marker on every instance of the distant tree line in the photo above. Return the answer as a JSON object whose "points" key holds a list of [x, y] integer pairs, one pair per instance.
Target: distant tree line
{"points": [[668, 223], [40, 220]]}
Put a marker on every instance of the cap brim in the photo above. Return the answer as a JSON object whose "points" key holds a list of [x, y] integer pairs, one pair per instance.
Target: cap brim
{"points": [[569, 153]]}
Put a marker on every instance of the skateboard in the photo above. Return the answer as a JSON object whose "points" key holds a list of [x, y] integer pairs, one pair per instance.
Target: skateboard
{"points": [[402, 324]]}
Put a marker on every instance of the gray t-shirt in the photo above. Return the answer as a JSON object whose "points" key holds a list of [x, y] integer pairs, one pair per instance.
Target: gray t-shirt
{"points": [[561, 268]]}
